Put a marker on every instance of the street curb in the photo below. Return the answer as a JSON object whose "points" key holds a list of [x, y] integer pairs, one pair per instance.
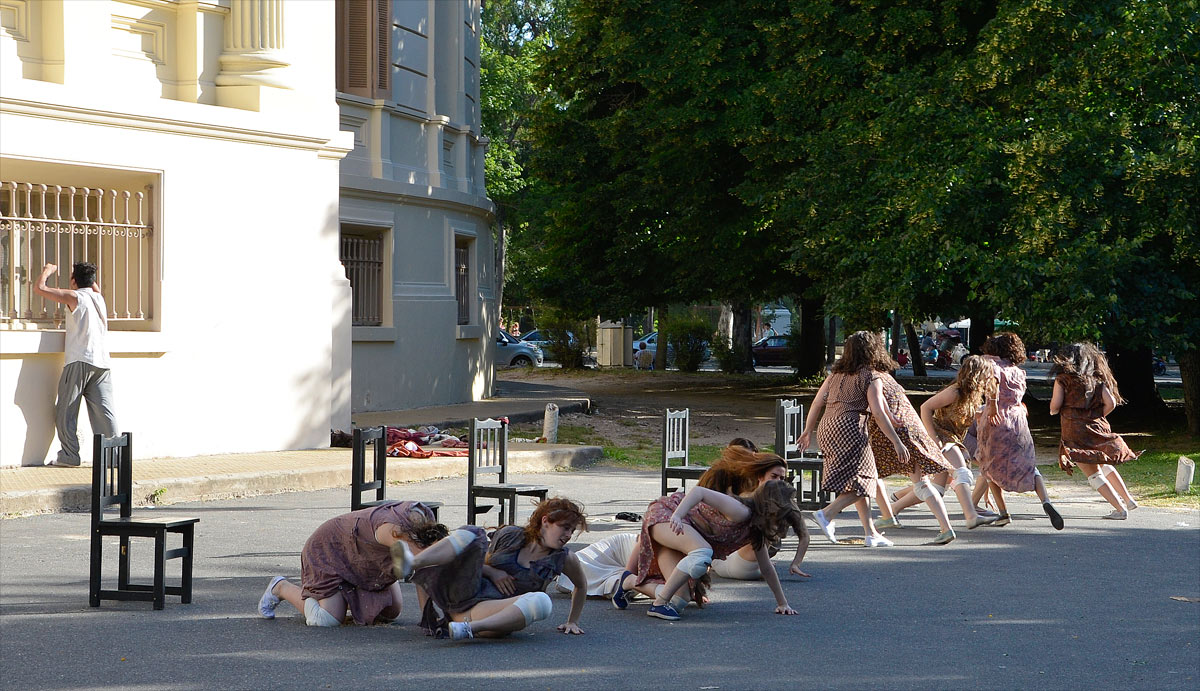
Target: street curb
{"points": [[576, 406], [248, 484]]}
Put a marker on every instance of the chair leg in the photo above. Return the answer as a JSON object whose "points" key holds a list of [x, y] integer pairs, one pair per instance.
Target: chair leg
{"points": [[471, 508], [123, 564], [512, 510], [185, 589], [94, 578], [160, 569]]}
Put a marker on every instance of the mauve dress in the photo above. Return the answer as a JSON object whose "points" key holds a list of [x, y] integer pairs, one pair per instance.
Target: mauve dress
{"points": [[1006, 454], [925, 456], [843, 438], [342, 555], [460, 585], [723, 535], [1086, 436]]}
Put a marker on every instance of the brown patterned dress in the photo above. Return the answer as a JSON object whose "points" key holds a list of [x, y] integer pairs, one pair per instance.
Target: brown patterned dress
{"points": [[1086, 435], [342, 555], [843, 438], [723, 535], [925, 456]]}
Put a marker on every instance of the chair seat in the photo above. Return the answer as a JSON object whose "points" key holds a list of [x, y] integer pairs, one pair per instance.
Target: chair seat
{"points": [[509, 488], [146, 522], [687, 471]]}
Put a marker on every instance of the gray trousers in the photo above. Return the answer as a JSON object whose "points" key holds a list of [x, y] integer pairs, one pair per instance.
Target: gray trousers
{"points": [[93, 384]]}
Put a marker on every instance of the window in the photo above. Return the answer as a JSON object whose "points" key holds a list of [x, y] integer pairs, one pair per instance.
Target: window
{"points": [[362, 256], [462, 279], [111, 227], [364, 39]]}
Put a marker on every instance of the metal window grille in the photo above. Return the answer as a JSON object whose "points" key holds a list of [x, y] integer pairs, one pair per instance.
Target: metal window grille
{"points": [[52, 224], [462, 282], [363, 258]]}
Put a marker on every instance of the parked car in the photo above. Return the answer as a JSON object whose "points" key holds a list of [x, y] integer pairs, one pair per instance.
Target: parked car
{"points": [[651, 341], [771, 350], [539, 339], [511, 351]]}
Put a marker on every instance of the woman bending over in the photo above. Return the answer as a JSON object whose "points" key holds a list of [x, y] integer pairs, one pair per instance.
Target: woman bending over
{"points": [[491, 590], [347, 563]]}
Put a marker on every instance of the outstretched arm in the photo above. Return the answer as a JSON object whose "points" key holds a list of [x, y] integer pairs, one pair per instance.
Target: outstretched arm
{"points": [[935, 403], [733, 509], [578, 594], [814, 414], [66, 297], [801, 531], [768, 572]]}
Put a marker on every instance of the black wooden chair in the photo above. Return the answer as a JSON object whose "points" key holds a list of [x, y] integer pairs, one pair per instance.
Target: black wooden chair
{"points": [[376, 438], [805, 469], [675, 448], [488, 455], [112, 483]]}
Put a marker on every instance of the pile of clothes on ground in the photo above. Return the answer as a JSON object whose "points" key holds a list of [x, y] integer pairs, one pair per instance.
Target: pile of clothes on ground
{"points": [[411, 443]]}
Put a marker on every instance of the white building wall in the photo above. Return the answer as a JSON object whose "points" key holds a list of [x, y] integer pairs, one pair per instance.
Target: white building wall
{"points": [[249, 348], [416, 175]]}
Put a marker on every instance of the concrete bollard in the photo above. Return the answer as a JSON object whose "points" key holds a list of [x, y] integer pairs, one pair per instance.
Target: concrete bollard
{"points": [[1184, 473], [550, 424]]}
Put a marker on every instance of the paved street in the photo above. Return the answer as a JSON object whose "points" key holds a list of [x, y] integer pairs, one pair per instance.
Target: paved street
{"points": [[1016, 607]]}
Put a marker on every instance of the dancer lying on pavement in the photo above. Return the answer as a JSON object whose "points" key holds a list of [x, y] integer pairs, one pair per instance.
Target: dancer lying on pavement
{"points": [[947, 417], [347, 563], [738, 472], [474, 589], [1085, 392], [682, 533], [851, 392]]}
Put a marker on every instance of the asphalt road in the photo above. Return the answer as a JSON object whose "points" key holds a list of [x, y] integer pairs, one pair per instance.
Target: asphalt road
{"points": [[1016, 607]]}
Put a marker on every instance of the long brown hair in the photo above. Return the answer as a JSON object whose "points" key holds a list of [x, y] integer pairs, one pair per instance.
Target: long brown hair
{"points": [[1005, 345], [1086, 361], [864, 349], [974, 382], [739, 470], [557, 510], [772, 510]]}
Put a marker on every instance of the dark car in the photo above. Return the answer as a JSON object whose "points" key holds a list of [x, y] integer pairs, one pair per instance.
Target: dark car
{"points": [[772, 350]]}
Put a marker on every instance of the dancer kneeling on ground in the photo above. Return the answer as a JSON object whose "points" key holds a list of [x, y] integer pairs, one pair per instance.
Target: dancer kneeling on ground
{"points": [[1006, 455], [739, 472], [347, 562], [682, 534], [474, 589], [947, 416], [1085, 392], [851, 392]]}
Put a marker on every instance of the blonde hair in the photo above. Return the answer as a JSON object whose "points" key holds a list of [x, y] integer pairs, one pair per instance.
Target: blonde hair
{"points": [[974, 383]]}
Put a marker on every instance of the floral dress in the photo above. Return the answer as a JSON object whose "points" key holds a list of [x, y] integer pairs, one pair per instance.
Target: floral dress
{"points": [[460, 585], [1006, 454], [722, 534], [1086, 435], [342, 555], [925, 456], [843, 438]]}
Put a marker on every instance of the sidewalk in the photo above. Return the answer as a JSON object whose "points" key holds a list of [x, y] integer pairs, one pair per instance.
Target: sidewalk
{"points": [[41, 489]]}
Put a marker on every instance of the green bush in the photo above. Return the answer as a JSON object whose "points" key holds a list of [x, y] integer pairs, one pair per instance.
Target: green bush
{"points": [[688, 337], [733, 360], [557, 330]]}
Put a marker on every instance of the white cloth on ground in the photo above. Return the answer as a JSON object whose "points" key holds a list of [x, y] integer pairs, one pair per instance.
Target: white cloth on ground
{"points": [[603, 563]]}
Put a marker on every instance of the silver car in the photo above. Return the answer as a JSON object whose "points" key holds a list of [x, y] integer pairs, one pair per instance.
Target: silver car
{"points": [[510, 351]]}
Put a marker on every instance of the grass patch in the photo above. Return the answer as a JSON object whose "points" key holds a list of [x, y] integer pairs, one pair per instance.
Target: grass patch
{"points": [[1151, 478], [581, 435], [649, 455]]}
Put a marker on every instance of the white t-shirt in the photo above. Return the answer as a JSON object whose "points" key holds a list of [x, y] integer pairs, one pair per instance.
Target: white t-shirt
{"points": [[87, 330]]}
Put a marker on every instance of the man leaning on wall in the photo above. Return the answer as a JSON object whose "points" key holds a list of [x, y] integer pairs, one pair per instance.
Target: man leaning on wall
{"points": [[86, 372]]}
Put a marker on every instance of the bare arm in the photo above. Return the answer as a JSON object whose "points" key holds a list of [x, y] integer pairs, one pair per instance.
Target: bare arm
{"points": [[1056, 398], [66, 297], [578, 594], [814, 414], [733, 509], [882, 416], [935, 403], [1110, 401], [768, 573], [801, 547]]}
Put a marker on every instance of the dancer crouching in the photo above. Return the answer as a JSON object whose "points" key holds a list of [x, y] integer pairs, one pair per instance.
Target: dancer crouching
{"points": [[853, 388], [1085, 392], [493, 590], [347, 563], [683, 532]]}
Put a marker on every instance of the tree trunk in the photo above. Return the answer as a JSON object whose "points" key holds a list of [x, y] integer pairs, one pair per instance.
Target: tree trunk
{"points": [[812, 338], [660, 355], [914, 350], [743, 334], [831, 341], [895, 333], [1133, 368], [1189, 371], [725, 325], [983, 324], [501, 258]]}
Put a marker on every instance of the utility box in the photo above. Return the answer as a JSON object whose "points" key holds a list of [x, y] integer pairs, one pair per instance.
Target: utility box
{"points": [[614, 344]]}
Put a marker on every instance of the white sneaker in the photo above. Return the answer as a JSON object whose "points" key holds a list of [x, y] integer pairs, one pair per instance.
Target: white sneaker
{"points": [[402, 558], [1117, 515], [1131, 505], [880, 541], [461, 631], [269, 601], [827, 527]]}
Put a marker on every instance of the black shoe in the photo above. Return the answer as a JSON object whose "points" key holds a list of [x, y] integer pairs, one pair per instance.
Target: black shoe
{"points": [[1055, 517]]}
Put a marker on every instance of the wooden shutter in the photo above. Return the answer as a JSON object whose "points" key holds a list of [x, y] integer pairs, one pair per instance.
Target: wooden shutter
{"points": [[355, 38], [383, 48]]}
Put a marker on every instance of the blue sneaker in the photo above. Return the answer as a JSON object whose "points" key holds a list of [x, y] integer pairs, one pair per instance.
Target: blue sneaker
{"points": [[620, 599], [664, 612]]}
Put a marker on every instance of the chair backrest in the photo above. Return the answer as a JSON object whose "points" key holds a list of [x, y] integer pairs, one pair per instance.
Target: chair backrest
{"points": [[112, 474], [377, 438], [789, 425], [675, 437], [488, 451]]}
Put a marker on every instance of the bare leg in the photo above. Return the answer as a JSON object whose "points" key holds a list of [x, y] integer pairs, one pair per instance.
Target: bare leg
{"points": [[667, 559], [881, 498], [393, 610], [935, 504], [688, 541], [493, 618], [286, 590], [998, 496], [981, 487], [864, 515], [1106, 489], [1114, 478], [839, 502]]}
